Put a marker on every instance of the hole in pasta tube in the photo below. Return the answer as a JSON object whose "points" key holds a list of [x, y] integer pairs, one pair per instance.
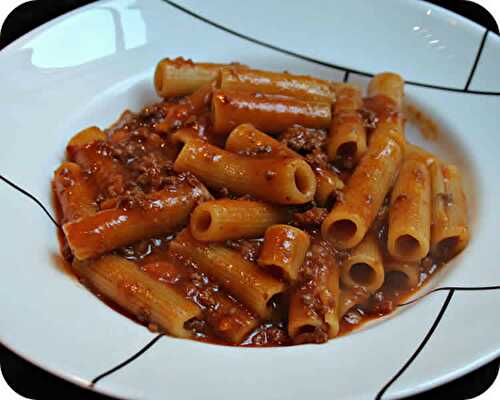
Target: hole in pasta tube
{"points": [[347, 150], [182, 137], [362, 274], [275, 301], [279, 305], [276, 271], [407, 245], [397, 280], [202, 220], [343, 229], [446, 248], [305, 329], [303, 179], [331, 199]]}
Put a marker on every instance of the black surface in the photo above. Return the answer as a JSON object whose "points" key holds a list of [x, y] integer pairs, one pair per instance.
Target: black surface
{"points": [[35, 383]]}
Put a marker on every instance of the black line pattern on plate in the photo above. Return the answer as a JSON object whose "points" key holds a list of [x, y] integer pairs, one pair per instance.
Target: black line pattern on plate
{"points": [[420, 347], [476, 61], [455, 288], [346, 76], [127, 361], [313, 60], [27, 194]]}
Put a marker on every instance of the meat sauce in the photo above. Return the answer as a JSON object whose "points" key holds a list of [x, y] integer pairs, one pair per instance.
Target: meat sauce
{"points": [[138, 143]]}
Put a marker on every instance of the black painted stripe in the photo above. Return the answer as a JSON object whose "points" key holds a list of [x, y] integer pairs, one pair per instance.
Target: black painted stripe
{"points": [[313, 60], [455, 288], [26, 193], [419, 348], [346, 76], [476, 61], [127, 361]]}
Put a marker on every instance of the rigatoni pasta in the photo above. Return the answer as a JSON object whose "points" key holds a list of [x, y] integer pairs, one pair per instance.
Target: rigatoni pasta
{"points": [[349, 220], [402, 276], [226, 317], [292, 179], [245, 139], [347, 137], [386, 98], [315, 302], [180, 77], [317, 214], [76, 195], [269, 113], [284, 251], [364, 267], [450, 230], [225, 219], [160, 213], [410, 213], [282, 83], [254, 287]]}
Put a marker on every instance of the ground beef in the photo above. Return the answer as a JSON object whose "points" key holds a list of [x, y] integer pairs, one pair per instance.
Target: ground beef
{"points": [[317, 335], [317, 158], [378, 305], [319, 259], [256, 151], [271, 336], [198, 326], [312, 218], [370, 118], [304, 140], [249, 249]]}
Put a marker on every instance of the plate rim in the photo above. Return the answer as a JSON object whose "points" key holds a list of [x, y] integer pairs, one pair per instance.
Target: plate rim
{"points": [[411, 4]]}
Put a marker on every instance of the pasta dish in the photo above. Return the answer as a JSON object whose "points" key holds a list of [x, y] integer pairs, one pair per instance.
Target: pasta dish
{"points": [[257, 208]]}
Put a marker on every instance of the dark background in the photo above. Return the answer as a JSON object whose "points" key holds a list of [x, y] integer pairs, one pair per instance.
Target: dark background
{"points": [[35, 383]]}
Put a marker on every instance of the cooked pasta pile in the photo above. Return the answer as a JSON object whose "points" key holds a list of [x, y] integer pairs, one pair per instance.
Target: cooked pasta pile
{"points": [[257, 208]]}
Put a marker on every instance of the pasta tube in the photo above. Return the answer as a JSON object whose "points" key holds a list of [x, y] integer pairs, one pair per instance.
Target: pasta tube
{"points": [[182, 136], [87, 136], [241, 278], [328, 184], [254, 81], [76, 195], [95, 157], [347, 138], [227, 318], [180, 77], [347, 223], [245, 139], [450, 230], [386, 95], [284, 251], [389, 85], [365, 267], [162, 212], [292, 180], [315, 303], [351, 297], [410, 213], [266, 112], [192, 105], [225, 219], [401, 276]]}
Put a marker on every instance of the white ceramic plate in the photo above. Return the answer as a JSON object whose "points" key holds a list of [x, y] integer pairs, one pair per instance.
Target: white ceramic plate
{"points": [[86, 67]]}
